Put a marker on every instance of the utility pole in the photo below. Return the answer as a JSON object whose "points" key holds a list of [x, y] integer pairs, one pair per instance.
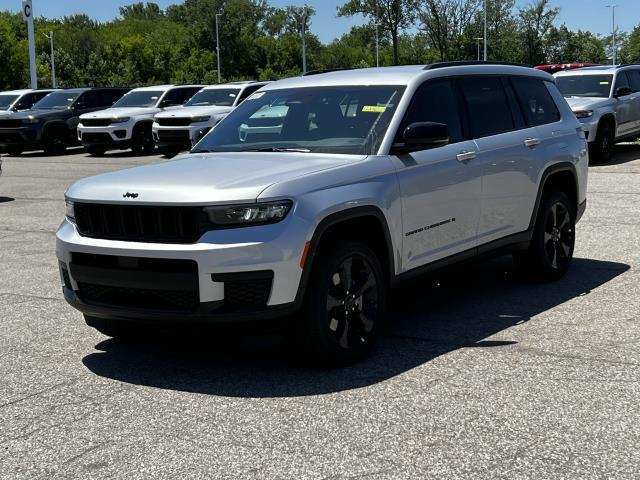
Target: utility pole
{"points": [[377, 46], [53, 60], [218, 47], [613, 29], [485, 30], [478, 42], [27, 16]]}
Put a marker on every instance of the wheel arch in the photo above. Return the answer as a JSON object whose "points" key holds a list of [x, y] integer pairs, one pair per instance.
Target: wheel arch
{"points": [[608, 119], [557, 177], [354, 223]]}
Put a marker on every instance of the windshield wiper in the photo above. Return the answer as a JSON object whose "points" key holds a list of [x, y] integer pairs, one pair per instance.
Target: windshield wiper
{"points": [[276, 149]]}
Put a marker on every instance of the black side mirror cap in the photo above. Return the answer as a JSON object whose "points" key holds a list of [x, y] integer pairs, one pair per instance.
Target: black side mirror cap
{"points": [[623, 92], [422, 136]]}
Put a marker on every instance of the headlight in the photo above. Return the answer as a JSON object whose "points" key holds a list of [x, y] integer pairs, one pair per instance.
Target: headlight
{"points": [[30, 119], [200, 119], [584, 113], [69, 212], [250, 214], [120, 120]]}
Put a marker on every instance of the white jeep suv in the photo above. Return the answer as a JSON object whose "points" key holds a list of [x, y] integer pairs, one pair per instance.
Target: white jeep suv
{"points": [[606, 100], [127, 124], [362, 179], [179, 129]]}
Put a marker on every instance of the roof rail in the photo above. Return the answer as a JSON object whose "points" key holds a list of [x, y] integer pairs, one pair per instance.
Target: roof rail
{"points": [[327, 70], [469, 62], [628, 65]]}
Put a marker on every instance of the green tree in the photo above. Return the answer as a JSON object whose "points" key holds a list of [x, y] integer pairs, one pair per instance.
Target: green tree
{"points": [[536, 21]]}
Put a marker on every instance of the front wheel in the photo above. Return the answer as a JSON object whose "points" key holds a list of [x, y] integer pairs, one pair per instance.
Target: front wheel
{"points": [[344, 306], [601, 149], [56, 141], [142, 139], [551, 249]]}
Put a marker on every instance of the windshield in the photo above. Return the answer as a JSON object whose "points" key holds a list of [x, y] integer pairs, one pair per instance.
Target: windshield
{"points": [[347, 119], [585, 85], [7, 100], [223, 97], [57, 100], [145, 98]]}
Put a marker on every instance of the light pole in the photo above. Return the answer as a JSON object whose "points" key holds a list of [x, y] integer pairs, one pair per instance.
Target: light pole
{"points": [[613, 28], [485, 30], [478, 42], [303, 19], [218, 46], [377, 46], [53, 61]]}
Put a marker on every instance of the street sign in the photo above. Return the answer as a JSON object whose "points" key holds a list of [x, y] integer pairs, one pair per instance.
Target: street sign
{"points": [[26, 10], [27, 16]]}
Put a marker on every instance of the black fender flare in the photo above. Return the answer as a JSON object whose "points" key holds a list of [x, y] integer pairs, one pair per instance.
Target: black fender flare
{"points": [[553, 169]]}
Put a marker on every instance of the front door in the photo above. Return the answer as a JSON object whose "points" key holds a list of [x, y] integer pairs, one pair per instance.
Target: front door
{"points": [[440, 187]]}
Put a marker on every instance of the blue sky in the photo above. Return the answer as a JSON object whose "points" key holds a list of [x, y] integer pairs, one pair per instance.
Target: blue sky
{"points": [[585, 14]]}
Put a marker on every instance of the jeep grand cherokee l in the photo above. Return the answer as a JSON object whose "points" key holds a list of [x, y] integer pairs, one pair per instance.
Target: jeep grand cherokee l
{"points": [[362, 178], [51, 124], [606, 100]]}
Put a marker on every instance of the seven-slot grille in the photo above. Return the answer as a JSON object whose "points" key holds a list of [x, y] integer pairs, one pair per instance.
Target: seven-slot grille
{"points": [[96, 122], [174, 121], [137, 223]]}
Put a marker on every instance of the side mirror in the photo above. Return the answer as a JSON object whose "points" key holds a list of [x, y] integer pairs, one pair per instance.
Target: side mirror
{"points": [[623, 92], [422, 136]]}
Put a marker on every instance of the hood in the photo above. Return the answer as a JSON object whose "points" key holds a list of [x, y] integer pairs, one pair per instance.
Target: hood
{"points": [[586, 103], [121, 112], [206, 178], [194, 111], [43, 113]]}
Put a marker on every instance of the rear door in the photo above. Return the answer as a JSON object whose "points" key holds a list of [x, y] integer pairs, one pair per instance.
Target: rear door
{"points": [[623, 106], [634, 81], [507, 152], [440, 186]]}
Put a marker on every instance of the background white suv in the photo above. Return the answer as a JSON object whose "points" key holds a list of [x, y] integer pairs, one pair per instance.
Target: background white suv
{"points": [[181, 128], [128, 123], [361, 179], [606, 100], [20, 100]]}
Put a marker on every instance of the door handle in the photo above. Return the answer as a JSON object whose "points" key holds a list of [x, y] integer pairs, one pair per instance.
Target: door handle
{"points": [[464, 156], [531, 142]]}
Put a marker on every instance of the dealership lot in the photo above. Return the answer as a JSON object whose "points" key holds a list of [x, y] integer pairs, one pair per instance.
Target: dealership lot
{"points": [[479, 375]]}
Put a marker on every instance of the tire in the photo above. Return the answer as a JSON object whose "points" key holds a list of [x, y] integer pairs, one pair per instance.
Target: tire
{"points": [[344, 306], [601, 150], [142, 139], [96, 151], [551, 250], [55, 141], [120, 330]]}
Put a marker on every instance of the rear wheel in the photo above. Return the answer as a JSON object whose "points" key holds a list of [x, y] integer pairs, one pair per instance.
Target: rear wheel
{"points": [[551, 249], [55, 141], [142, 139], [344, 305], [601, 149]]}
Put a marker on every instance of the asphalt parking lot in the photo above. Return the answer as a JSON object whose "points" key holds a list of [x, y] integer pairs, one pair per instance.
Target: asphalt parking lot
{"points": [[479, 375]]}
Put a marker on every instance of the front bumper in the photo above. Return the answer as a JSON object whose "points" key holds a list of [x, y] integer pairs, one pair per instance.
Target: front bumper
{"points": [[27, 136], [589, 127], [224, 258], [116, 135], [170, 136]]}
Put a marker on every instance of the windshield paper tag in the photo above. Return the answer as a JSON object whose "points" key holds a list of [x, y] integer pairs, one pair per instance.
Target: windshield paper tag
{"points": [[373, 109], [604, 83]]}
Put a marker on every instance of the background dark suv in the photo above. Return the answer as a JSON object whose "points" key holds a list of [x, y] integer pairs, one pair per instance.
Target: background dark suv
{"points": [[51, 124]]}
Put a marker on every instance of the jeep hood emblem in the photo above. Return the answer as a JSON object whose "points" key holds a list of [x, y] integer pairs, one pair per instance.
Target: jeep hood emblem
{"points": [[130, 195]]}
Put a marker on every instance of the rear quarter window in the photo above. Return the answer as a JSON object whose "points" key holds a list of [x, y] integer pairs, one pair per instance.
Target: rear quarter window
{"points": [[535, 101]]}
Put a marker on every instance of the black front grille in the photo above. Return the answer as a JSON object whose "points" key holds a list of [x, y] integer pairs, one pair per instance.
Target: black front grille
{"points": [[96, 122], [10, 123], [139, 223], [10, 138], [247, 293], [174, 135], [174, 121], [172, 300], [92, 137]]}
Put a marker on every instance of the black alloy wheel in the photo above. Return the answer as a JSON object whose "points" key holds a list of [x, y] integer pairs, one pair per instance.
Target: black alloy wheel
{"points": [[602, 150], [142, 141], [55, 141]]}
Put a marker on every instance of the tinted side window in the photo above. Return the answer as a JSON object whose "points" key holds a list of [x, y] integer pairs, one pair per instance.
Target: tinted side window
{"points": [[109, 97], [488, 106], [178, 96], [91, 99], [621, 81], [435, 101], [248, 91], [634, 79], [28, 100], [535, 101]]}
